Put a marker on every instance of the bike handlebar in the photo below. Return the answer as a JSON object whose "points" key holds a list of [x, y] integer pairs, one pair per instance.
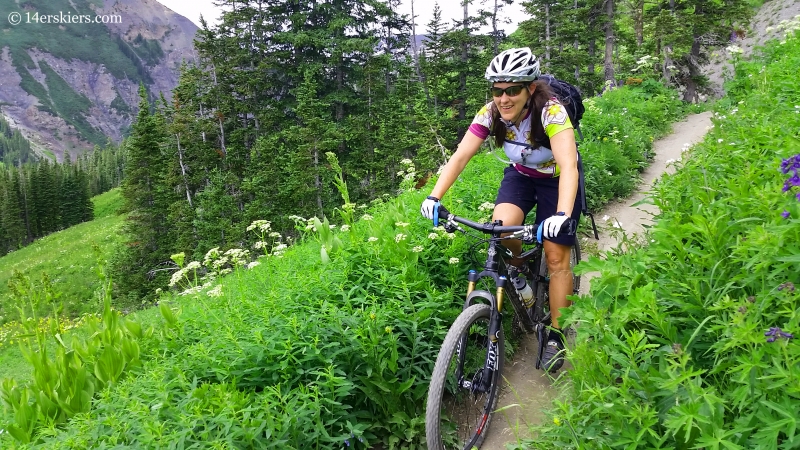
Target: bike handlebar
{"points": [[528, 233]]}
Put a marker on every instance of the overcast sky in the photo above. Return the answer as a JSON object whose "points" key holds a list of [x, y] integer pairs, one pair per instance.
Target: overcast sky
{"points": [[451, 9]]}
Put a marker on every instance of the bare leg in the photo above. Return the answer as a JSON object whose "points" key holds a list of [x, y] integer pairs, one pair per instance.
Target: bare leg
{"points": [[560, 277]]}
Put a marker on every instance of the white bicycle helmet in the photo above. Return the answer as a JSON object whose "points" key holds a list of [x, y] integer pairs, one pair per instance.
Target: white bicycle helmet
{"points": [[515, 64]]}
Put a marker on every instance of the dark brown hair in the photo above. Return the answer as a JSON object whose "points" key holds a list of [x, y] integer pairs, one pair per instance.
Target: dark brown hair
{"points": [[540, 96]]}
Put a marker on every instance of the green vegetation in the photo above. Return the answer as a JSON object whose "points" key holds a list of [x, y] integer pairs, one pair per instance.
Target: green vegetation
{"points": [[119, 104], [148, 49], [334, 338], [692, 340], [67, 258], [14, 148], [107, 204], [41, 198]]}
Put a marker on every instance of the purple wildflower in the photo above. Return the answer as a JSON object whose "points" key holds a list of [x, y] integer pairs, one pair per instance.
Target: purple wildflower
{"points": [[775, 333], [785, 214], [791, 164], [789, 286]]}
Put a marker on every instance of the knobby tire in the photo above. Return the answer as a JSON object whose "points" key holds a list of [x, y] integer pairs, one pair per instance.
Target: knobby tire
{"points": [[443, 432]]}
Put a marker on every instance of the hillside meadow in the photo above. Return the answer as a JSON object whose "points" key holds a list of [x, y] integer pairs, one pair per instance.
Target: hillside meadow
{"points": [[324, 344], [67, 258]]}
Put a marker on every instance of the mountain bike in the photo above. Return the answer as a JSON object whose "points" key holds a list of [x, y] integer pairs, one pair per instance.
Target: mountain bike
{"points": [[465, 384]]}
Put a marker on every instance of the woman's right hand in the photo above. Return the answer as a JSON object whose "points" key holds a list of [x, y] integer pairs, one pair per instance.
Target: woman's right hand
{"points": [[429, 207]]}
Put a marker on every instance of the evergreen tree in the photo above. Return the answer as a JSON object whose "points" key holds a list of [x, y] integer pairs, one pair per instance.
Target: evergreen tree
{"points": [[12, 214], [148, 235]]}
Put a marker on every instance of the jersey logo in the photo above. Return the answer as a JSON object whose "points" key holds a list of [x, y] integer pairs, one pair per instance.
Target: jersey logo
{"points": [[510, 135], [555, 114]]}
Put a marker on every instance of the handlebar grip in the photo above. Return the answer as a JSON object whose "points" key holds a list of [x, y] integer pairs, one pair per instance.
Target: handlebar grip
{"points": [[568, 227], [439, 213]]}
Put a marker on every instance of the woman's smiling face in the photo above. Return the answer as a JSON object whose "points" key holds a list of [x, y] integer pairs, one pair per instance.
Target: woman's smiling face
{"points": [[511, 106]]}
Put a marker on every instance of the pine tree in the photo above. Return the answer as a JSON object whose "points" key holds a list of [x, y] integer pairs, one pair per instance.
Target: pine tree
{"points": [[148, 238], [12, 213]]}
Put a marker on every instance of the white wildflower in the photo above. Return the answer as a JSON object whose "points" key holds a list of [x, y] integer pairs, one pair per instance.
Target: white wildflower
{"points": [[417, 249], [193, 265], [401, 224], [280, 248], [260, 244], [213, 253], [453, 261], [345, 227], [432, 236], [451, 235], [366, 217], [216, 292], [192, 290], [372, 239], [275, 234], [176, 277], [406, 162], [400, 237], [486, 206], [734, 49], [253, 264], [263, 225]]}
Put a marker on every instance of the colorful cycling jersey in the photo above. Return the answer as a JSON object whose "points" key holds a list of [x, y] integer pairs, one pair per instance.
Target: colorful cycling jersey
{"points": [[536, 162]]}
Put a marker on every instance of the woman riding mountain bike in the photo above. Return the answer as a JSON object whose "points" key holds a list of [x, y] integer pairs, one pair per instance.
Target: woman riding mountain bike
{"points": [[543, 170]]}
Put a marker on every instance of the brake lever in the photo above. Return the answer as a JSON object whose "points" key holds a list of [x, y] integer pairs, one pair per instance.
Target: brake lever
{"points": [[527, 235]]}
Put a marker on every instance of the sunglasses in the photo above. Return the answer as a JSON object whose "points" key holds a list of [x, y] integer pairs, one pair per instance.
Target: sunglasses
{"points": [[511, 91]]}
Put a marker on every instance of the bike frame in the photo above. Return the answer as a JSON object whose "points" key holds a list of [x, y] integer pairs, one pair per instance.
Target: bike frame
{"points": [[496, 268]]}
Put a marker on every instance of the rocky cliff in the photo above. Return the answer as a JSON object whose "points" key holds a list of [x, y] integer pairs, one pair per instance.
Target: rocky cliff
{"points": [[67, 86]]}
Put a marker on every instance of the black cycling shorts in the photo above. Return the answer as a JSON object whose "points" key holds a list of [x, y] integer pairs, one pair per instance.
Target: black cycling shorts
{"points": [[526, 192]]}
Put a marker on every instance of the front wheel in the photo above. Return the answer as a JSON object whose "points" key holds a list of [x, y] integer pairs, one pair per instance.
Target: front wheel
{"points": [[465, 383]]}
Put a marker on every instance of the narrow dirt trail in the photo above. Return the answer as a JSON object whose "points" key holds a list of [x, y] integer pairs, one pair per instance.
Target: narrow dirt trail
{"points": [[526, 391]]}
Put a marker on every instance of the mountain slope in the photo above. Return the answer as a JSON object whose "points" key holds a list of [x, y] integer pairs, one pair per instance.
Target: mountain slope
{"points": [[68, 86]]}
